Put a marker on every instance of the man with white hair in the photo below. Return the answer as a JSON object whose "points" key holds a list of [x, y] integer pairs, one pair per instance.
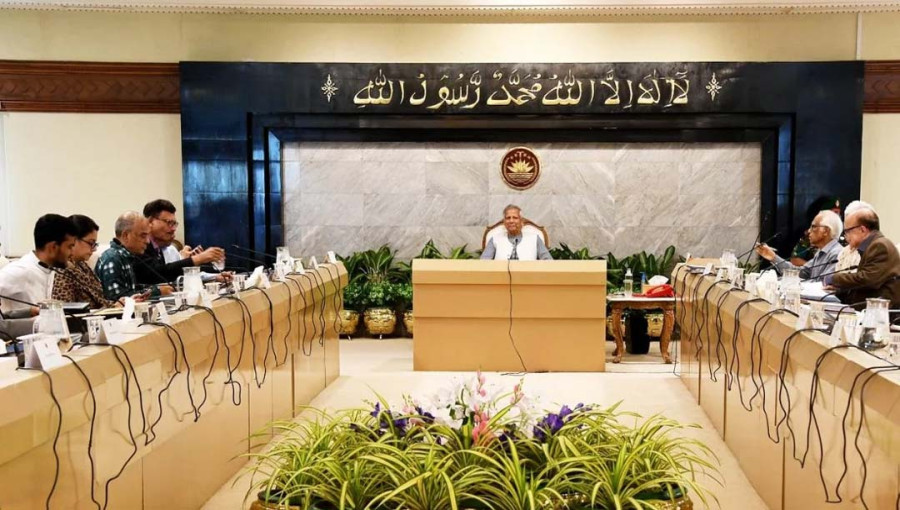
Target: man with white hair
{"points": [[115, 269], [823, 234], [849, 257], [515, 245]]}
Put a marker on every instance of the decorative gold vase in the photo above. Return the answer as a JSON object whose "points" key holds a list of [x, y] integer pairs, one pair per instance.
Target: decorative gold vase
{"points": [[349, 322], [609, 326], [409, 321], [260, 505], [654, 324], [380, 321]]}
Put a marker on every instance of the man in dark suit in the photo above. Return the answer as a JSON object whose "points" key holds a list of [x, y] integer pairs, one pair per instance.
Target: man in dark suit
{"points": [[878, 274]]}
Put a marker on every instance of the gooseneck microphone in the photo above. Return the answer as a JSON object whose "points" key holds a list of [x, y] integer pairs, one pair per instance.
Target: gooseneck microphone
{"points": [[21, 302], [255, 252], [758, 244], [515, 254], [823, 275]]}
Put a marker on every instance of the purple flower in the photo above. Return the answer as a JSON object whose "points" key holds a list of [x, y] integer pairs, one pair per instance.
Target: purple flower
{"points": [[424, 415], [377, 410]]}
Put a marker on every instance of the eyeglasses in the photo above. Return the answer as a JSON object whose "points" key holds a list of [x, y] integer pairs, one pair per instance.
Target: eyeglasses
{"points": [[817, 226], [851, 229], [169, 223], [92, 244]]}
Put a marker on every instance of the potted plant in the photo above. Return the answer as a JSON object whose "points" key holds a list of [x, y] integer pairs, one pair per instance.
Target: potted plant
{"points": [[473, 446], [353, 303], [379, 317], [404, 296]]}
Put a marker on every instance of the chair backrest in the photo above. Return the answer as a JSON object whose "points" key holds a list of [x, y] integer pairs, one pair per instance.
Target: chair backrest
{"points": [[528, 226]]}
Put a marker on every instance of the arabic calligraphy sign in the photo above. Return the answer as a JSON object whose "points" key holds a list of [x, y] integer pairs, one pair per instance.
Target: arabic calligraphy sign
{"points": [[446, 88]]}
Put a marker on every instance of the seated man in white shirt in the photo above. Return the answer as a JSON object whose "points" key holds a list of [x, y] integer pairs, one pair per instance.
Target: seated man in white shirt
{"points": [[823, 234], [30, 278], [515, 245]]}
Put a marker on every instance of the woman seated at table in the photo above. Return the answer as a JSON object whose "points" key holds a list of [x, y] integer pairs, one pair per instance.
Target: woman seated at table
{"points": [[78, 283]]}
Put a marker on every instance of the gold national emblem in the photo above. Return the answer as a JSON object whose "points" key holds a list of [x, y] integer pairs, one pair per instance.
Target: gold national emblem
{"points": [[520, 168]]}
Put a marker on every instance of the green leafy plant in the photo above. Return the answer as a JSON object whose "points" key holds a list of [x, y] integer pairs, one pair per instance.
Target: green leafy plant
{"points": [[354, 296], [379, 265], [404, 296], [475, 447], [379, 294], [563, 252]]}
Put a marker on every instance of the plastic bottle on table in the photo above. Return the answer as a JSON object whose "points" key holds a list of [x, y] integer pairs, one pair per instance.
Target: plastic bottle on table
{"points": [[628, 283]]}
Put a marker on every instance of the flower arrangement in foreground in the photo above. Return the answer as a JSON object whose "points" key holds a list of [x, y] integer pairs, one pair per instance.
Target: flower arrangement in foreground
{"points": [[471, 446]]}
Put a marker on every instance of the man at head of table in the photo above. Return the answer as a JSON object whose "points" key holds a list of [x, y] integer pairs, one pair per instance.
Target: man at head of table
{"points": [[514, 244]]}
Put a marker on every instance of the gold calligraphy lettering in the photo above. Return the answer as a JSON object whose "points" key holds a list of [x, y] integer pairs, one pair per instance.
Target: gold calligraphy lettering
{"points": [[416, 101], [475, 81], [682, 87], [613, 84], [646, 96]]}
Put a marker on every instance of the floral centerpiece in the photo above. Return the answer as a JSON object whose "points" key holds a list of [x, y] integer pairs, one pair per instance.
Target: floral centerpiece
{"points": [[474, 446]]}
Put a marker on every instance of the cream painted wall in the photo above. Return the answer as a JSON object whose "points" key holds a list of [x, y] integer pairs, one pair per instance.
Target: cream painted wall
{"points": [[108, 147], [99, 165], [881, 169]]}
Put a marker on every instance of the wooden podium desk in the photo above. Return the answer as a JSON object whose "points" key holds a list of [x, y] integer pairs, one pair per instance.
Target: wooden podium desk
{"points": [[463, 310]]}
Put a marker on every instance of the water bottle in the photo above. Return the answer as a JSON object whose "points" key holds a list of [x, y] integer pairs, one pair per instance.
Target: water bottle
{"points": [[628, 283], [643, 283]]}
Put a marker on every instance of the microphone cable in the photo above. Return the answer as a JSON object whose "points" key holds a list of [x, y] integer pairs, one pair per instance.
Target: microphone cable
{"points": [[679, 320], [187, 366], [312, 311], [321, 286], [301, 317], [511, 339], [56, 435], [270, 341], [695, 322], [216, 326], [246, 309], [90, 447], [719, 325], [735, 336], [237, 364], [338, 300], [151, 430], [862, 396], [703, 324], [290, 324]]}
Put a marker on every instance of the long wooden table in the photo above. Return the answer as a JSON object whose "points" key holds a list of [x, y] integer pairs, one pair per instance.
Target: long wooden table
{"points": [[753, 376], [188, 457], [485, 314]]}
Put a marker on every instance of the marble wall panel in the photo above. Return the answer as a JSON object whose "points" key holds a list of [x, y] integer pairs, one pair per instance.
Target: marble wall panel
{"points": [[621, 198]]}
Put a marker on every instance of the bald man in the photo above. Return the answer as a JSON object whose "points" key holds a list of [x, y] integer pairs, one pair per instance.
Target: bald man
{"points": [[115, 269], [878, 273]]}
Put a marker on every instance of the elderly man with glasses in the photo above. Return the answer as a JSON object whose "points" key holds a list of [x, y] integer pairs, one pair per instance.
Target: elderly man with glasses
{"points": [[878, 272], [823, 234]]}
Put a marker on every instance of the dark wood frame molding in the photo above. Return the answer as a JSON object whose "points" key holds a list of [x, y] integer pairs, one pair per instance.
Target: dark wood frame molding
{"points": [[89, 87], [882, 87], [114, 87]]}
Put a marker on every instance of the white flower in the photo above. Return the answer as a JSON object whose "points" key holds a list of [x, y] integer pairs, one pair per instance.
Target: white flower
{"points": [[442, 416]]}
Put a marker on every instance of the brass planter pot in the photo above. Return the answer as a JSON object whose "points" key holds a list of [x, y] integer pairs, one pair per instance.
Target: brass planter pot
{"points": [[380, 321], [349, 322], [409, 321], [654, 324]]}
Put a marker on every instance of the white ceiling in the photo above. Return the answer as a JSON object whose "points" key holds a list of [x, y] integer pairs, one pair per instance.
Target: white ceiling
{"points": [[467, 7]]}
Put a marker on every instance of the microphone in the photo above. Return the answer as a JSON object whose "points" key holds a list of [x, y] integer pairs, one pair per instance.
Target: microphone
{"points": [[21, 302], [758, 235], [757, 244], [248, 259], [165, 281], [515, 254], [254, 251], [823, 275]]}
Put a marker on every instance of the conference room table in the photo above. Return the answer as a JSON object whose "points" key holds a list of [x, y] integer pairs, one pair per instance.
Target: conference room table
{"points": [[813, 422], [167, 416]]}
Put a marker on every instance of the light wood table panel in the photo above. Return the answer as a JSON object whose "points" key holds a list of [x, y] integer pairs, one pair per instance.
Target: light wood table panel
{"points": [[767, 404], [462, 310], [186, 461]]}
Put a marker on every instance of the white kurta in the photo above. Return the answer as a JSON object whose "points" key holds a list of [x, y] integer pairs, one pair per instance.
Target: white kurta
{"points": [[24, 279], [525, 250]]}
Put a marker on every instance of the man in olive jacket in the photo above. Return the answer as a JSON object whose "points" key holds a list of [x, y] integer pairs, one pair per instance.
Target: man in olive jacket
{"points": [[878, 274]]}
